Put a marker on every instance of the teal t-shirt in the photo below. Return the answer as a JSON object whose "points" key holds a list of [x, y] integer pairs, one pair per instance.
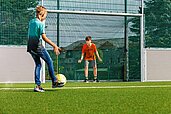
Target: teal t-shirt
{"points": [[36, 29]]}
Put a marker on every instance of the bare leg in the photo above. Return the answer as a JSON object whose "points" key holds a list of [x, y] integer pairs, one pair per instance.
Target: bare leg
{"points": [[86, 72], [95, 72]]}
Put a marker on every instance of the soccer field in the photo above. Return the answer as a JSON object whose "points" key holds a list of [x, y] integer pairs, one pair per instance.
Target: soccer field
{"points": [[87, 98]]}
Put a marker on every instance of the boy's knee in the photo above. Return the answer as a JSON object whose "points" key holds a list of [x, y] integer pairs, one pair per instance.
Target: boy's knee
{"points": [[50, 62], [86, 67]]}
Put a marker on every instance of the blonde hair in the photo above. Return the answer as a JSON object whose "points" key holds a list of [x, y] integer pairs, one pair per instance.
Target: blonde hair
{"points": [[40, 11]]}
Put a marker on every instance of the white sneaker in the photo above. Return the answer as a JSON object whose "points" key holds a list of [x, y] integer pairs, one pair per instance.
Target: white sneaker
{"points": [[86, 81], [39, 89]]}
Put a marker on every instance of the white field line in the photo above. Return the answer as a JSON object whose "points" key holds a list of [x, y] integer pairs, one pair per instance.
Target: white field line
{"points": [[94, 87]]}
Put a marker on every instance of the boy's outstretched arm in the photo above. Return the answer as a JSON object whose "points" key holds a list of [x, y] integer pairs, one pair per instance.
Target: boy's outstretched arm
{"points": [[98, 56], [82, 56], [55, 47]]}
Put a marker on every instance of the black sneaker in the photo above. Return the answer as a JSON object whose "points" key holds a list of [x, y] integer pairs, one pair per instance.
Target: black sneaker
{"points": [[56, 84], [95, 80], [86, 81], [39, 89]]}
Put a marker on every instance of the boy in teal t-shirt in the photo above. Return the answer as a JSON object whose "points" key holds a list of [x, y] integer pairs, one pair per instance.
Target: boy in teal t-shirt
{"points": [[36, 34], [36, 29]]}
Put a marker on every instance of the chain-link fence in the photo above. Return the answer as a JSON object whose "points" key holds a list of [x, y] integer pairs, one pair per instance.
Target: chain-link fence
{"points": [[111, 34], [14, 18], [108, 32]]}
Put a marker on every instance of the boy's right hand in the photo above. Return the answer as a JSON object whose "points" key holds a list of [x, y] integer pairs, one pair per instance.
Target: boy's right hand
{"points": [[56, 49], [79, 61]]}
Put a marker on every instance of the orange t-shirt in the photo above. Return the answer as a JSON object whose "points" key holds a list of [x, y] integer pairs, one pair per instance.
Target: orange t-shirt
{"points": [[89, 51]]}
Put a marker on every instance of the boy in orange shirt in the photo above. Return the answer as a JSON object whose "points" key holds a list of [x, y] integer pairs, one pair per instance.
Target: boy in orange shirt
{"points": [[88, 54]]}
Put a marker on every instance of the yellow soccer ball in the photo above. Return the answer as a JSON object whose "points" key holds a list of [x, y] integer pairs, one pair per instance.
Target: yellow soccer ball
{"points": [[61, 78]]}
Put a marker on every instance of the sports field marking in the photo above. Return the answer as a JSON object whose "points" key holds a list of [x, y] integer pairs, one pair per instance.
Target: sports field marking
{"points": [[94, 87]]}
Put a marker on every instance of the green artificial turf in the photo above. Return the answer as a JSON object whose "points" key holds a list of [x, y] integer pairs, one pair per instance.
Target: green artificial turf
{"points": [[68, 100]]}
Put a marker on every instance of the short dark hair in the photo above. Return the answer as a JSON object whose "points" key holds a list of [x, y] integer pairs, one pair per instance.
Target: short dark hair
{"points": [[88, 38]]}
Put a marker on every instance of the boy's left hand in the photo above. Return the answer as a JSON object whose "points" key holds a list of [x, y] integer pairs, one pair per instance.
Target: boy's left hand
{"points": [[57, 50], [100, 59]]}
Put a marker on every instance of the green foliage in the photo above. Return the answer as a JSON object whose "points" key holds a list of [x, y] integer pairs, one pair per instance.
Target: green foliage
{"points": [[157, 23], [15, 15], [157, 31], [134, 58]]}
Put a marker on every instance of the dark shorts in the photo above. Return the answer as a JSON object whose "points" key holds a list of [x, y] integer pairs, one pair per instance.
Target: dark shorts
{"points": [[92, 62]]}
